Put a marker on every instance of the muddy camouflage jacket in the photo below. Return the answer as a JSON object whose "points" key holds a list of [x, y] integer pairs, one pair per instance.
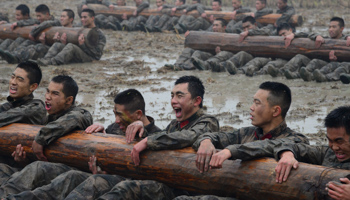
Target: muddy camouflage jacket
{"points": [[74, 118], [25, 110], [313, 36], [30, 22], [142, 6], [95, 51], [242, 9], [104, 2], [287, 13], [229, 140], [149, 129], [262, 12], [46, 24], [318, 155], [178, 135]]}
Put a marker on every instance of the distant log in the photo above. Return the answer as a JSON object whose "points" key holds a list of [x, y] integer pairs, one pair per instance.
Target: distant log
{"points": [[243, 180], [91, 35], [296, 20], [267, 46]]}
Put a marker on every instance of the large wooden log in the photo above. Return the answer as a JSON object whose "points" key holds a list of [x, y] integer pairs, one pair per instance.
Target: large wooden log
{"points": [[267, 46], [91, 35], [244, 180], [296, 20]]}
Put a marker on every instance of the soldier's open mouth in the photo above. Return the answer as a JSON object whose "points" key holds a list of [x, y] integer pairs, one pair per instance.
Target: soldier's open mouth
{"points": [[47, 106], [13, 90], [177, 112]]}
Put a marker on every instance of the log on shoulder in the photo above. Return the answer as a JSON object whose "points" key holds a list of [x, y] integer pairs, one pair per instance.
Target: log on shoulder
{"points": [[243, 180], [296, 20], [91, 35], [267, 46]]}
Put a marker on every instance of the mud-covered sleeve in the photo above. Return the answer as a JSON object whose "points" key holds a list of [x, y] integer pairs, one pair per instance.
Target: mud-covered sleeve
{"points": [[182, 7], [168, 6], [106, 3], [286, 16], [243, 10], [259, 31], [73, 120], [47, 24], [263, 12], [183, 138], [150, 129], [96, 51], [27, 22], [312, 36], [142, 6], [301, 35], [261, 148], [201, 9], [303, 152], [33, 113]]}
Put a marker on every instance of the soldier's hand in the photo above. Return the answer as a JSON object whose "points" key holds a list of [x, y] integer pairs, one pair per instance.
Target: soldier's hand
{"points": [[42, 38], [137, 149], [348, 41], [93, 167], [187, 33], [3, 22], [288, 40], [160, 8], [173, 10], [63, 38], [84, 7], [204, 15], [134, 13], [31, 37], [111, 7], [217, 50], [212, 18], [218, 158], [285, 165], [132, 129], [204, 153], [56, 37], [253, 15], [13, 26], [95, 128], [124, 16], [81, 39], [319, 41], [184, 11], [339, 191], [242, 36], [233, 15], [38, 151], [332, 56], [19, 155]]}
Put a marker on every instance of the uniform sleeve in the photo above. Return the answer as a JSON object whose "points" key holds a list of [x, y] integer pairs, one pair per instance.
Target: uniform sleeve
{"points": [[142, 6], [33, 113], [259, 31], [74, 120], [168, 6], [219, 139], [181, 139], [243, 10], [106, 3], [263, 12], [97, 51], [47, 24], [313, 36], [27, 22], [301, 35], [182, 7], [303, 152], [200, 9], [260, 148], [286, 16]]}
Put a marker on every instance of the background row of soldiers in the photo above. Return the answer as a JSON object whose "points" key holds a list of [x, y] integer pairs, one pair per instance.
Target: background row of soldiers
{"points": [[61, 52]]}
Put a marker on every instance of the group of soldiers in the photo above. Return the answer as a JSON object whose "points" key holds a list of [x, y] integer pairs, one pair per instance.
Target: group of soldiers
{"points": [[61, 51], [269, 136]]}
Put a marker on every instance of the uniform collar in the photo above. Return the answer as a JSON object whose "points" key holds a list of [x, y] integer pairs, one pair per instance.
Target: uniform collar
{"points": [[20, 101], [272, 134], [191, 119]]}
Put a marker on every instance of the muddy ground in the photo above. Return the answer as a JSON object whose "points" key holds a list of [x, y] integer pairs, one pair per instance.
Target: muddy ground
{"points": [[135, 60]]}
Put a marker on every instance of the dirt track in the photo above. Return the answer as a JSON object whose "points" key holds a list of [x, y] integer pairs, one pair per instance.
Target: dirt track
{"points": [[131, 60]]}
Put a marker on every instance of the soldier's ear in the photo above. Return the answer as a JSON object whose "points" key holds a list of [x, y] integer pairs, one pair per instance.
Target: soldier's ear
{"points": [[197, 101], [138, 114], [69, 100], [33, 87], [277, 110]]}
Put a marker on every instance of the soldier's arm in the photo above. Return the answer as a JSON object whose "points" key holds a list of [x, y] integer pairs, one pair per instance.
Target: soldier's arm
{"points": [[47, 24], [34, 112], [301, 35], [142, 6], [313, 36], [243, 10], [168, 6], [27, 22], [263, 12], [259, 31], [183, 138], [286, 16], [106, 3], [200, 9], [182, 7], [74, 120], [97, 51]]}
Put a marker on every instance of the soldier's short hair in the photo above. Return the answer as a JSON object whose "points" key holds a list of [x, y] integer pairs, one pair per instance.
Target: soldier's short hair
{"points": [[223, 22], [249, 19], [24, 9], [279, 94], [33, 70], [284, 26], [339, 20], [70, 87], [263, 1], [131, 99], [69, 12], [285, 1], [42, 8], [90, 12], [339, 117], [219, 1], [195, 86]]}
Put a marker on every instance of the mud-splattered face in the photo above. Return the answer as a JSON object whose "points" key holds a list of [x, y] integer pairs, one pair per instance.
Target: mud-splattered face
{"points": [[19, 84], [182, 102], [334, 30], [261, 111], [338, 141], [123, 117]]}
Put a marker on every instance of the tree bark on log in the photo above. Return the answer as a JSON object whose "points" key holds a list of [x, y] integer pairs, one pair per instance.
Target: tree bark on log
{"points": [[243, 180], [267, 46], [296, 20], [91, 35]]}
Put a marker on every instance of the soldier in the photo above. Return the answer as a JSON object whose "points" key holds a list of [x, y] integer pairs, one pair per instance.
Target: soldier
{"points": [[129, 107], [153, 19], [20, 53], [130, 24], [109, 22], [84, 3], [270, 106], [82, 53], [233, 26], [261, 9], [63, 118], [167, 22], [286, 11]]}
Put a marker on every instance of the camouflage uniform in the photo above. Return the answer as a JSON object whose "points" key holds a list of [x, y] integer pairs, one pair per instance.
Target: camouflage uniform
{"points": [[233, 64], [287, 13], [188, 22], [234, 26], [85, 2], [150, 128], [130, 24], [262, 12], [254, 65], [107, 22], [331, 71], [184, 60], [277, 64], [82, 53], [25, 110]]}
